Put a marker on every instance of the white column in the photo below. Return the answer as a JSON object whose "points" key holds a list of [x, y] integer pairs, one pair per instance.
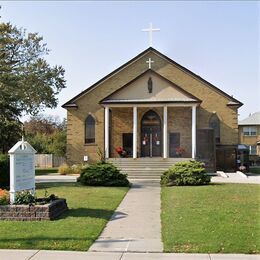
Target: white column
{"points": [[134, 132], [193, 132], [106, 132], [165, 136]]}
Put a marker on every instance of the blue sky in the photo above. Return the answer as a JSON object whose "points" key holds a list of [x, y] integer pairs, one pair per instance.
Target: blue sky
{"points": [[217, 40]]}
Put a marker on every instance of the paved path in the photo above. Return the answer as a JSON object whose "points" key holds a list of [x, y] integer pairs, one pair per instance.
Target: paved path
{"points": [[55, 178], [136, 224], [6, 254]]}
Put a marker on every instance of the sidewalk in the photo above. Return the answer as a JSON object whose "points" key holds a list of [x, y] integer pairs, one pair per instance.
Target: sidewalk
{"points": [[6, 254], [135, 226], [236, 178], [55, 178]]}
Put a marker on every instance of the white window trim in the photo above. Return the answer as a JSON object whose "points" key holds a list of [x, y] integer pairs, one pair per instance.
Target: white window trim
{"points": [[250, 150], [250, 130]]}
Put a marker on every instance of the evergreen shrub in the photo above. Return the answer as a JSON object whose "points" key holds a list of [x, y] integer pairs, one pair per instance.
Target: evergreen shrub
{"points": [[102, 174], [185, 173]]}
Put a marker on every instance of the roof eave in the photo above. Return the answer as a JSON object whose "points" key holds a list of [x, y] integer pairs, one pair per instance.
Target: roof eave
{"points": [[106, 102], [70, 105]]}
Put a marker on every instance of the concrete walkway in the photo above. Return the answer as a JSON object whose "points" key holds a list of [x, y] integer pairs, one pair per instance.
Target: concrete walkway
{"points": [[236, 178], [136, 224], [10, 254], [55, 178]]}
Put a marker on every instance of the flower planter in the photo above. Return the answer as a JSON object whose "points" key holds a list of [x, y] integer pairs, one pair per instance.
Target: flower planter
{"points": [[33, 212]]}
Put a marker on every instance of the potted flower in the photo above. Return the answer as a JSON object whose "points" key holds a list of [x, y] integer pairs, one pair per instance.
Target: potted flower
{"points": [[242, 168], [179, 151], [122, 153]]}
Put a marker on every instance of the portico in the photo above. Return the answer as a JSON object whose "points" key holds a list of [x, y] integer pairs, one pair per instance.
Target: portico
{"points": [[155, 108], [150, 134]]}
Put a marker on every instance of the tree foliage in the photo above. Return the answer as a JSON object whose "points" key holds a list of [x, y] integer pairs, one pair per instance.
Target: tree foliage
{"points": [[27, 82], [47, 134]]}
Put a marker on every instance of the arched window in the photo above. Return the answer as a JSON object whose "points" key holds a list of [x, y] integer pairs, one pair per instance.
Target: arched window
{"points": [[214, 123], [89, 130]]}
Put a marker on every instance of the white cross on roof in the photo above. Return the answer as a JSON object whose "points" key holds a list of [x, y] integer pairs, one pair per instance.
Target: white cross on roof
{"points": [[150, 31]]}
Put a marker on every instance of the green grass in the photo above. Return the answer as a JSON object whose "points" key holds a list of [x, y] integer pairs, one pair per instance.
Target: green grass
{"points": [[254, 170], [221, 218], [89, 210], [43, 171]]}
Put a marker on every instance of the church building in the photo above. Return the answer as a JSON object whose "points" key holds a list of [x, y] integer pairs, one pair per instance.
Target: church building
{"points": [[152, 107]]}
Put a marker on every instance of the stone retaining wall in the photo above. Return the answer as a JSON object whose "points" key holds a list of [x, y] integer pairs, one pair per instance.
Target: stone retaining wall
{"points": [[33, 212]]}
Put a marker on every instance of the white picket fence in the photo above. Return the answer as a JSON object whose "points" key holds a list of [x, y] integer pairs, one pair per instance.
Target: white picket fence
{"points": [[48, 160]]}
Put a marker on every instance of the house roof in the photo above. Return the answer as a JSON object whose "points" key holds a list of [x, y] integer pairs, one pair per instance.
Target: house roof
{"points": [[253, 119], [71, 102]]}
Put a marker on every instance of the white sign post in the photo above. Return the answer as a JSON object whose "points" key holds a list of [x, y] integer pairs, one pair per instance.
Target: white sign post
{"points": [[22, 168]]}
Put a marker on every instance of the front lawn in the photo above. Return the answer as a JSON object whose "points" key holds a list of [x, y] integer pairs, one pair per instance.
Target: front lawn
{"points": [[217, 218], [89, 210]]}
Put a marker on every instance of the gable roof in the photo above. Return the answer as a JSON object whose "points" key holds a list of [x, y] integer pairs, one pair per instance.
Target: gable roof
{"points": [[71, 102], [185, 96], [253, 119], [22, 148]]}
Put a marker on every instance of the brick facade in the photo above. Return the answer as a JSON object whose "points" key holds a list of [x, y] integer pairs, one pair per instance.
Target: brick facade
{"points": [[179, 118], [33, 212]]}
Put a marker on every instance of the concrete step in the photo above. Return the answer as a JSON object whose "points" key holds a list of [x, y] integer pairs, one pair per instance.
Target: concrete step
{"points": [[145, 168], [143, 174]]}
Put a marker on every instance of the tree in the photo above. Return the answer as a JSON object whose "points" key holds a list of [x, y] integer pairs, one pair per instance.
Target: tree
{"points": [[27, 82], [47, 134], [44, 124]]}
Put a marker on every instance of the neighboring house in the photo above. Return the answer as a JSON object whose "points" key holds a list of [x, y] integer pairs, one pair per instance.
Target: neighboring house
{"points": [[153, 107], [249, 134]]}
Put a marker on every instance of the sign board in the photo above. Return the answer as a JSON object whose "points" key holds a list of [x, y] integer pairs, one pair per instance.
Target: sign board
{"points": [[24, 176], [22, 168], [85, 158]]}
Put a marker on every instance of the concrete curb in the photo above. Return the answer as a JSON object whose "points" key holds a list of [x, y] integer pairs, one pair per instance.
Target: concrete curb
{"points": [[222, 174], [14, 254], [242, 174]]}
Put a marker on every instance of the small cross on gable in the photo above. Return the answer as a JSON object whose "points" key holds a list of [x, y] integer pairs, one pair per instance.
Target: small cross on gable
{"points": [[149, 61]]}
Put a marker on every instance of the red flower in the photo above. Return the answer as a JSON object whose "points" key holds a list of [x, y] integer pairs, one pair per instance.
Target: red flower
{"points": [[180, 150], [119, 150]]}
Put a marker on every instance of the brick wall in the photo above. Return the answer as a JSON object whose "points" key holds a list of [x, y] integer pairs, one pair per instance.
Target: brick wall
{"points": [[33, 212], [212, 102]]}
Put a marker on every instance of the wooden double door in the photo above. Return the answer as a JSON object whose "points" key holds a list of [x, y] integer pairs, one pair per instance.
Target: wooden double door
{"points": [[151, 135]]}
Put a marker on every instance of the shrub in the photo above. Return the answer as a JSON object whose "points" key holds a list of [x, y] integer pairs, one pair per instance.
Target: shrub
{"points": [[4, 171], [4, 197], [76, 169], [185, 173], [64, 169], [103, 174], [24, 197]]}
